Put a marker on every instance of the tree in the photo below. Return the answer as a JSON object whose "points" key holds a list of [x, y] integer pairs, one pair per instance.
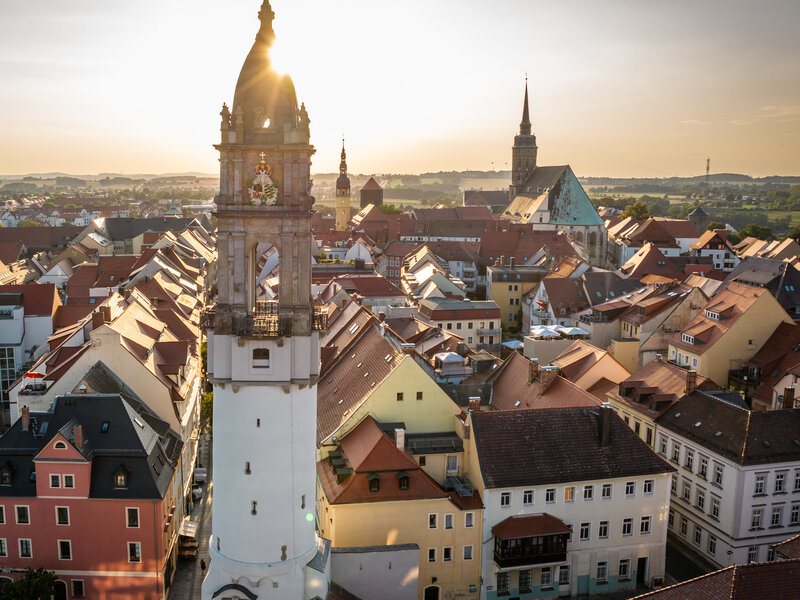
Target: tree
{"points": [[762, 232], [715, 225], [207, 407], [33, 585], [28, 223], [638, 210], [390, 209]]}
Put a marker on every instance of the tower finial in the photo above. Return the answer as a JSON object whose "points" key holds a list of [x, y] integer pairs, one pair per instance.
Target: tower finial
{"points": [[525, 125], [266, 15]]}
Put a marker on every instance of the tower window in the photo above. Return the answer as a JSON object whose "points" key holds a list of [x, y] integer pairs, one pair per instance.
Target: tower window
{"points": [[260, 358]]}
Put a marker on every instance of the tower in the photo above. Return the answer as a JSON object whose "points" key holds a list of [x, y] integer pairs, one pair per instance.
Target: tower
{"points": [[263, 357], [523, 155], [342, 194]]}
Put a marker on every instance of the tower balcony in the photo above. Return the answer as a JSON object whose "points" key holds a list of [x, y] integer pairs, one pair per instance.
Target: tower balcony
{"points": [[267, 322]]}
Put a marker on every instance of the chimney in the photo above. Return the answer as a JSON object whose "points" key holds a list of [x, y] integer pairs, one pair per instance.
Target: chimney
{"points": [[788, 397], [502, 260], [533, 370], [97, 319], [547, 375], [105, 311], [77, 434], [381, 316], [462, 349], [400, 438], [383, 329], [474, 403], [26, 418], [344, 302], [691, 381], [604, 425], [660, 358], [511, 261]]}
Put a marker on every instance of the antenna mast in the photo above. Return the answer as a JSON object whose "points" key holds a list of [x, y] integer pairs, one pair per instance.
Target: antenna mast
{"points": [[708, 170]]}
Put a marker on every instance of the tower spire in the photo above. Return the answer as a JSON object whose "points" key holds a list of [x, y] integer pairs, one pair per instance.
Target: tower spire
{"points": [[266, 15], [525, 125], [343, 164]]}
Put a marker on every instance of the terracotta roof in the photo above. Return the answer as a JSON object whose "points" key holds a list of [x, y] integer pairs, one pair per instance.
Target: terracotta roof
{"points": [[371, 185], [352, 377], [514, 389], [485, 198], [718, 236], [10, 251], [576, 360], [542, 454], [69, 315], [37, 299], [678, 228], [654, 232], [519, 526], [522, 242], [743, 436], [788, 548], [755, 581], [565, 293], [649, 260], [779, 354], [456, 251], [369, 285], [657, 386]]}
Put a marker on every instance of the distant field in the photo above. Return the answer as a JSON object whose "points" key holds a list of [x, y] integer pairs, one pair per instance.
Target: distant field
{"points": [[483, 183]]}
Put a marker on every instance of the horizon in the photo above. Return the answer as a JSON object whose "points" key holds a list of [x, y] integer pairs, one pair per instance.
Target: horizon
{"points": [[648, 92]]}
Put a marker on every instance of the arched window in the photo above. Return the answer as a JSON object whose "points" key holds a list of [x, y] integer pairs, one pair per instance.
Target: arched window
{"points": [[374, 482], [431, 593], [60, 446], [579, 237]]}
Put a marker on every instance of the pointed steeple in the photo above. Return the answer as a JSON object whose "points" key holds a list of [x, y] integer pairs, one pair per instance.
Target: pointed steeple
{"points": [[266, 16], [343, 164], [525, 125], [343, 182]]}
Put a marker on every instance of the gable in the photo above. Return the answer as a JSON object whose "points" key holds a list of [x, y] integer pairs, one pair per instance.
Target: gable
{"points": [[51, 452], [570, 205]]}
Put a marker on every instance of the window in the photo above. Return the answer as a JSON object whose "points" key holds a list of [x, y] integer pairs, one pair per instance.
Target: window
{"points": [[648, 487], [700, 499], [55, 481], [794, 515], [23, 515], [77, 588], [69, 482], [120, 480], [715, 507], [687, 490], [770, 554], [585, 531], [447, 554], [422, 461], [630, 488], [797, 481], [625, 569], [2, 515], [134, 552], [684, 525], [602, 568], [563, 575], [752, 554], [260, 358], [419, 395], [374, 482], [452, 464], [776, 519], [780, 483], [403, 481], [688, 459], [432, 519], [602, 530], [569, 494], [64, 550], [718, 474], [755, 518], [399, 396], [712, 544], [547, 578], [25, 549], [644, 526], [588, 492], [62, 515], [525, 579], [703, 472], [3, 547], [502, 582], [627, 527], [505, 499], [698, 535], [550, 495], [649, 436], [761, 479], [448, 521], [527, 497], [132, 517], [605, 493], [467, 552], [676, 452], [468, 519], [673, 485], [662, 445], [671, 518], [431, 554]]}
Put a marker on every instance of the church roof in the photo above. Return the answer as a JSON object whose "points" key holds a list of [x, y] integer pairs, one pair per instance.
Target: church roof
{"points": [[371, 185]]}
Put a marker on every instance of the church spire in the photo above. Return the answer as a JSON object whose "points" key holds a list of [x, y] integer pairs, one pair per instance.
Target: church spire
{"points": [[525, 125], [343, 164], [266, 16]]}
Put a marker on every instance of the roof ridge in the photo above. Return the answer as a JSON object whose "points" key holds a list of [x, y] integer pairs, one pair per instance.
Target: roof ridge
{"points": [[746, 435], [688, 581]]}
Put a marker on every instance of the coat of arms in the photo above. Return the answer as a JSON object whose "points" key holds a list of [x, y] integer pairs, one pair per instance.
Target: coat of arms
{"points": [[262, 190]]}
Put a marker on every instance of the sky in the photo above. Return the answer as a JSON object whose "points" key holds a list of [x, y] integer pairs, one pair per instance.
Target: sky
{"points": [[618, 88]]}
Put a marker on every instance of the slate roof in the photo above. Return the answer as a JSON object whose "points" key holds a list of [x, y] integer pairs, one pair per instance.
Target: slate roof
{"points": [[485, 198], [601, 286], [743, 436], [782, 279], [541, 453], [130, 442], [371, 185], [122, 228], [755, 581]]}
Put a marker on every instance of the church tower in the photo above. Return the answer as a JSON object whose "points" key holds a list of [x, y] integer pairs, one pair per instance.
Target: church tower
{"points": [[263, 356], [342, 194], [523, 156]]}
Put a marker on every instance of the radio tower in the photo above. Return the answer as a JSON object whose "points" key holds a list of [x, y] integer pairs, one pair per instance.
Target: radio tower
{"points": [[708, 171]]}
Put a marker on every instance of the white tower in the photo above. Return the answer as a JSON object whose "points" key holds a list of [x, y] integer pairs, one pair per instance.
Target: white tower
{"points": [[263, 356]]}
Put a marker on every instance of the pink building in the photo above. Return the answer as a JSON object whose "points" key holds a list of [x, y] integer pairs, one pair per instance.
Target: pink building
{"points": [[87, 491]]}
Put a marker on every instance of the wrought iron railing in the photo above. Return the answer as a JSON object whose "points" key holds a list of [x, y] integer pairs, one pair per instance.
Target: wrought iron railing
{"points": [[264, 321]]}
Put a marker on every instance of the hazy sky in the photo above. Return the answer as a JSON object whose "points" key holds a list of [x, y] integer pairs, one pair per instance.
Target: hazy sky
{"points": [[618, 88]]}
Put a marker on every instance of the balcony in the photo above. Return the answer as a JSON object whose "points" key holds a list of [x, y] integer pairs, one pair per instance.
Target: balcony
{"points": [[541, 314], [460, 484], [266, 322], [492, 331], [528, 540]]}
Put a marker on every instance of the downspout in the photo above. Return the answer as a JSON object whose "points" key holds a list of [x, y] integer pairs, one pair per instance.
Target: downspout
{"points": [[155, 543]]}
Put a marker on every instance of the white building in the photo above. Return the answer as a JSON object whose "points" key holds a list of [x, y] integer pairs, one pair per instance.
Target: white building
{"points": [[567, 515], [738, 488]]}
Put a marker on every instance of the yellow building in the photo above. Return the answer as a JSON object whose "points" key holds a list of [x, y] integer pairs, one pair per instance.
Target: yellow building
{"points": [[371, 492], [729, 330], [506, 285]]}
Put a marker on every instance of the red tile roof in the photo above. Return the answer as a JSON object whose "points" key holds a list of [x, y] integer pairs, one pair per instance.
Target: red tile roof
{"points": [[649, 260], [37, 299], [519, 526], [756, 581], [788, 548], [10, 251]]}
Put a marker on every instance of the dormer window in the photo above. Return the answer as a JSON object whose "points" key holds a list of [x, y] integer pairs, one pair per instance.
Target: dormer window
{"points": [[261, 358], [689, 339], [714, 316], [374, 482], [121, 478], [403, 480], [6, 473], [104, 427]]}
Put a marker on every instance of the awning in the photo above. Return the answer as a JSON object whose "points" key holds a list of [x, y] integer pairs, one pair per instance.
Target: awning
{"points": [[188, 528]]}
